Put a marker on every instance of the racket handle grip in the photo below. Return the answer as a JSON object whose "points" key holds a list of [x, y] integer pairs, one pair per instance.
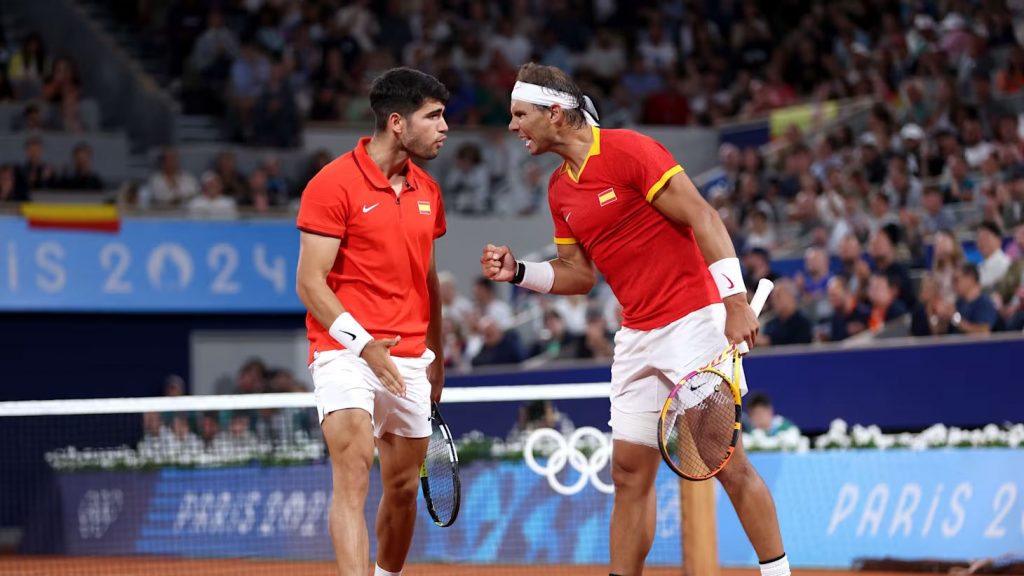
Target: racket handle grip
{"points": [[764, 288]]}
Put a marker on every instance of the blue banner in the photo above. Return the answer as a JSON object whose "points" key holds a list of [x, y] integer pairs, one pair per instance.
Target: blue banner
{"points": [[151, 266], [833, 507]]}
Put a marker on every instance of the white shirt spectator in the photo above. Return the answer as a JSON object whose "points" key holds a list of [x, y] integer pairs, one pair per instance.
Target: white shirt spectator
{"points": [[500, 312], [168, 190], [993, 268]]}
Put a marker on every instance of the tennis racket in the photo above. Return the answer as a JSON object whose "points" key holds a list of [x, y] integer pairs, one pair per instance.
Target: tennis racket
{"points": [[439, 473], [699, 424]]}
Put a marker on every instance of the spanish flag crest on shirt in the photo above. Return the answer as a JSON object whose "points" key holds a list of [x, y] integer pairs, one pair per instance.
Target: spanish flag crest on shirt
{"points": [[607, 197]]}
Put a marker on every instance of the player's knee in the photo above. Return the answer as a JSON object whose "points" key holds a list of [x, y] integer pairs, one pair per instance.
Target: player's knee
{"points": [[736, 473], [402, 491]]}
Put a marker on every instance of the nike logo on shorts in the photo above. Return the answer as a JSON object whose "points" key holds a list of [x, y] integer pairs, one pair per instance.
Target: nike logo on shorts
{"points": [[365, 210]]}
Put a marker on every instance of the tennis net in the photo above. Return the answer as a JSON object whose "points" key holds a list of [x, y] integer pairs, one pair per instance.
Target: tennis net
{"points": [[224, 485]]}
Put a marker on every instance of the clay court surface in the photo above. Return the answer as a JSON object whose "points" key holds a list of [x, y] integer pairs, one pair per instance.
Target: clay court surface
{"points": [[136, 567]]}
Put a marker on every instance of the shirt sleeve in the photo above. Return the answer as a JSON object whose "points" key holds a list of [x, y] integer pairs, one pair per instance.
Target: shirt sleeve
{"points": [[650, 165], [324, 208], [563, 234]]}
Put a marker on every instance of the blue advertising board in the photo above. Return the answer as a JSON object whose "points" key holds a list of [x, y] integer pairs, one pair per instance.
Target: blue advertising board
{"points": [[151, 266], [833, 507]]}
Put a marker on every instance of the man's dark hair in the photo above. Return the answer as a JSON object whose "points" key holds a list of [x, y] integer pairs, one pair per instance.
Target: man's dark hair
{"points": [[991, 227], [971, 270], [403, 91], [759, 399], [551, 77]]}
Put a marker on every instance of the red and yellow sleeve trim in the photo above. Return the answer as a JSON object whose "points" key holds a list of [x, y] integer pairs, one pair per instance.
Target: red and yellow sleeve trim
{"points": [[565, 240], [661, 181]]}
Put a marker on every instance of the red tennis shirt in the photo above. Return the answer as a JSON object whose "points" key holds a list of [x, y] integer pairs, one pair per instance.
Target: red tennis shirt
{"points": [[387, 240], [653, 265]]}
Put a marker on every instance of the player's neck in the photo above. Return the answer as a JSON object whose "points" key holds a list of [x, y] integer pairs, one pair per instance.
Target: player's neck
{"points": [[574, 146], [391, 158]]}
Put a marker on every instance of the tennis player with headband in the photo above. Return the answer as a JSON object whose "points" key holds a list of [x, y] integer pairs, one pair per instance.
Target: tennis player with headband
{"points": [[621, 202]]}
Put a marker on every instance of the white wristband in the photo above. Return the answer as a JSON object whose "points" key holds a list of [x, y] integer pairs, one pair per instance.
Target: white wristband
{"points": [[537, 276], [728, 277], [350, 333]]}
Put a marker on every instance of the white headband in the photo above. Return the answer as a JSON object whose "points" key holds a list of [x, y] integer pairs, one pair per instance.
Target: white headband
{"points": [[543, 96]]}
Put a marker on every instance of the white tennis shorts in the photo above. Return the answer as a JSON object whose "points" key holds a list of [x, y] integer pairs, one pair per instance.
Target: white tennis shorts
{"points": [[343, 380], [648, 363]]}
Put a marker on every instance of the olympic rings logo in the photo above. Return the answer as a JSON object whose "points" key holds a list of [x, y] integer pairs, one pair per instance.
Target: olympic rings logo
{"points": [[568, 452]]}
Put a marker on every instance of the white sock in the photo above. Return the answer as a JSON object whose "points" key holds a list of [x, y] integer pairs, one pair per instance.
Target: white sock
{"points": [[778, 567], [378, 571]]}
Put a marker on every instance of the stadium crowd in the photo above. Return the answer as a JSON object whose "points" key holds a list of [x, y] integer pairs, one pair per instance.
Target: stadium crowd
{"points": [[909, 221]]}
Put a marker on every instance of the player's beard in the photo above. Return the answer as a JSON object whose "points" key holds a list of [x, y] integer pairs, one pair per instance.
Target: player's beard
{"points": [[420, 148]]}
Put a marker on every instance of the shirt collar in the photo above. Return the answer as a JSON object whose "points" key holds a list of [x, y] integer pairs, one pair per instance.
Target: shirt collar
{"points": [[374, 174]]}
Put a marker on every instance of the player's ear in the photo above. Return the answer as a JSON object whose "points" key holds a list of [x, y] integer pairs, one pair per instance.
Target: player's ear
{"points": [[556, 114], [396, 122]]}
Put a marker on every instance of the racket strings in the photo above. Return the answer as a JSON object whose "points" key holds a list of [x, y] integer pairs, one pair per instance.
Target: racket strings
{"points": [[440, 475], [698, 428]]}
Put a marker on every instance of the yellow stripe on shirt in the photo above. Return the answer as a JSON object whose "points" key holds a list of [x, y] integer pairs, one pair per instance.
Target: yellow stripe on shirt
{"points": [[661, 181], [565, 240]]}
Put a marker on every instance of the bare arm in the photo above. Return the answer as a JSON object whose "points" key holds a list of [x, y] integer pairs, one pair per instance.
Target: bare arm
{"points": [[435, 341], [681, 203], [316, 258], [574, 273]]}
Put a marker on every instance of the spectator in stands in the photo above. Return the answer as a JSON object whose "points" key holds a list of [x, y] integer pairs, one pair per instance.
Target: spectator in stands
{"points": [[597, 338], [925, 319], [813, 280], [250, 73], [761, 416], [212, 203], [209, 428], [170, 185], [468, 182], [453, 305], [226, 167], [789, 326], [885, 306], [183, 441], [489, 305], [62, 81], [995, 263], [947, 258], [28, 66], [31, 119], [539, 414], [215, 49], [500, 346], [257, 195], [883, 252], [278, 185], [936, 215], [174, 385], [11, 190], [80, 175], [252, 377], [849, 314], [276, 116], [554, 341], [975, 313], [34, 173], [238, 441], [757, 262]]}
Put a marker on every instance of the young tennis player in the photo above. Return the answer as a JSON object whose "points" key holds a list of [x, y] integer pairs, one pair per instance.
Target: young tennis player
{"points": [[621, 202], [367, 277]]}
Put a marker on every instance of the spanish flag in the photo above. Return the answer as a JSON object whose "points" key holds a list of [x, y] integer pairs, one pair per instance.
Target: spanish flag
{"points": [[607, 197], [91, 217], [424, 206]]}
